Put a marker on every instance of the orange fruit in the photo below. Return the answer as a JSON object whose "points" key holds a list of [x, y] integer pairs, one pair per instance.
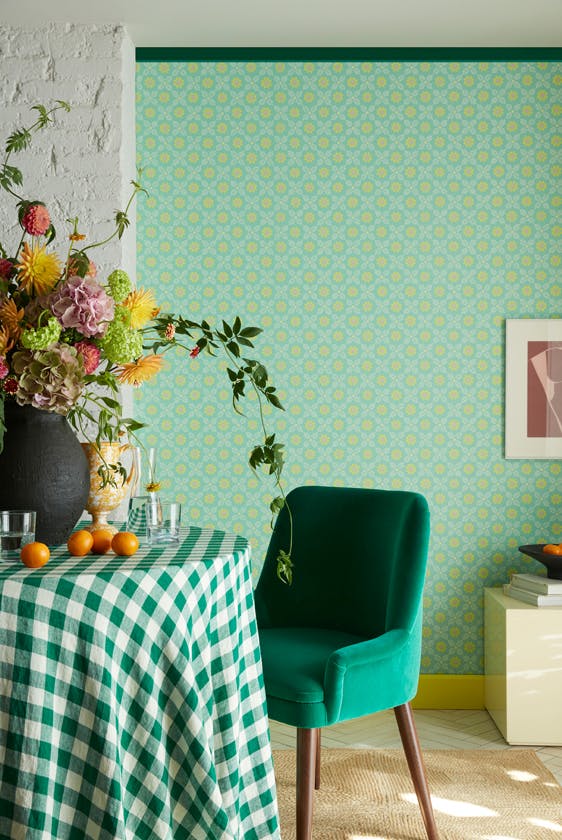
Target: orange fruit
{"points": [[80, 543], [35, 554], [102, 541], [550, 548], [124, 543]]}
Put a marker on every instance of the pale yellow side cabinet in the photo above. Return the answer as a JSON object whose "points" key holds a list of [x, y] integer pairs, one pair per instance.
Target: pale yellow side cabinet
{"points": [[523, 669]]}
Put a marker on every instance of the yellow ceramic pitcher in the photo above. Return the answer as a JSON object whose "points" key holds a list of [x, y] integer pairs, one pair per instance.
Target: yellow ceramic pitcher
{"points": [[102, 500]]}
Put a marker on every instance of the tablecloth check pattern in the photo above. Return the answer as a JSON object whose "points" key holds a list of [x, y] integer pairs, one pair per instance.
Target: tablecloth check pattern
{"points": [[131, 697]]}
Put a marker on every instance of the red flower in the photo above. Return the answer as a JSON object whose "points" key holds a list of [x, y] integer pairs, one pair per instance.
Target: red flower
{"points": [[90, 355], [10, 385], [36, 220], [6, 269], [195, 352]]}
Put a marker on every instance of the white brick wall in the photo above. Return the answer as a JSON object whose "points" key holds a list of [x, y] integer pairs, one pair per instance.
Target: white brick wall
{"points": [[83, 164]]}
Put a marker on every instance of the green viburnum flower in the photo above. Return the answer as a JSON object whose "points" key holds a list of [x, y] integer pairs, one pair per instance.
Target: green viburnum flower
{"points": [[121, 344], [42, 337], [119, 285]]}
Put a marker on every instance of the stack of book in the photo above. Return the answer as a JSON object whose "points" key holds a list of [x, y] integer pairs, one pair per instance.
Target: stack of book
{"points": [[535, 589]]}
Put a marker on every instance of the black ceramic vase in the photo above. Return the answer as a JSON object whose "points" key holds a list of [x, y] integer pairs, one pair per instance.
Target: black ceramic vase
{"points": [[43, 468]]}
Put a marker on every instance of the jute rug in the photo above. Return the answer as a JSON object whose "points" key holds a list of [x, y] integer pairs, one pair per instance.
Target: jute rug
{"points": [[476, 794]]}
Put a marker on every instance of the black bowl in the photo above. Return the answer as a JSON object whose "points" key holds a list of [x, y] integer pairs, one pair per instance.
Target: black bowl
{"points": [[553, 562]]}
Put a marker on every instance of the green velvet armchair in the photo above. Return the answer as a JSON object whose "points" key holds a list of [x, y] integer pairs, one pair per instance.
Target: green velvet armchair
{"points": [[344, 639]]}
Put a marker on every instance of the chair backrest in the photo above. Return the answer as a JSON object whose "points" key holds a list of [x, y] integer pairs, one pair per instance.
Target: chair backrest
{"points": [[359, 561]]}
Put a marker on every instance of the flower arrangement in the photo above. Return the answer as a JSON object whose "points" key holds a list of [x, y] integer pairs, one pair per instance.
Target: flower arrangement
{"points": [[69, 339]]}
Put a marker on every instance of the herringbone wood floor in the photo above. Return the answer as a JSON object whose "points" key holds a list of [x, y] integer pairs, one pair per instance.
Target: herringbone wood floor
{"points": [[437, 730]]}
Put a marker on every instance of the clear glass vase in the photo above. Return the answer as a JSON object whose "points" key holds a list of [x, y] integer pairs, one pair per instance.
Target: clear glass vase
{"points": [[141, 494]]}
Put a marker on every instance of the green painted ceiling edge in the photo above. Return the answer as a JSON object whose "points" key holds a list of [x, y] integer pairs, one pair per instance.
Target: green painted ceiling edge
{"points": [[349, 54]]}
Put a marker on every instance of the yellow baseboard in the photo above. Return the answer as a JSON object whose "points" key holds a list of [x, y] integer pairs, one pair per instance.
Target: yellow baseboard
{"points": [[450, 691]]}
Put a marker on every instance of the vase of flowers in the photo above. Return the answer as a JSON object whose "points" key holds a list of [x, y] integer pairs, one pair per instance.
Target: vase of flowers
{"points": [[70, 338]]}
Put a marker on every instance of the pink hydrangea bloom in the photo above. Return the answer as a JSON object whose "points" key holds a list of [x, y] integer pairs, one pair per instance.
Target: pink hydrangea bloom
{"points": [[81, 303], [90, 355], [4, 369]]}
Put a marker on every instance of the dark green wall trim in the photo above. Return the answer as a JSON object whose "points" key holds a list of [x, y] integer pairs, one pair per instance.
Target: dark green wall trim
{"points": [[349, 54]]}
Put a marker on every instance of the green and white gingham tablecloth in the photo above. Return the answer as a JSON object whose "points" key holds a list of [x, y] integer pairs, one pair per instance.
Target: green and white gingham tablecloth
{"points": [[131, 697]]}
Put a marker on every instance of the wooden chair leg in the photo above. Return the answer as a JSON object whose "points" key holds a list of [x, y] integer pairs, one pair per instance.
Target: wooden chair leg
{"points": [[411, 744], [317, 765], [306, 771]]}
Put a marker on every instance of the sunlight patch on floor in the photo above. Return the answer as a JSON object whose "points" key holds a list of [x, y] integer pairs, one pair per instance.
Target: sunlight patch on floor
{"points": [[521, 776], [546, 824], [454, 807], [365, 837], [498, 837]]}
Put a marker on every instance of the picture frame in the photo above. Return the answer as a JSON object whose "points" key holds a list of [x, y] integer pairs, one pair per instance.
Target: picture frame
{"points": [[533, 388]]}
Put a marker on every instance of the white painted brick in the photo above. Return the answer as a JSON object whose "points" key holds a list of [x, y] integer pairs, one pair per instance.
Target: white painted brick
{"points": [[97, 42], [80, 162]]}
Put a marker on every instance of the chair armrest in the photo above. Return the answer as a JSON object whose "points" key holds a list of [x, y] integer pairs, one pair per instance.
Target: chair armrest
{"points": [[369, 676]]}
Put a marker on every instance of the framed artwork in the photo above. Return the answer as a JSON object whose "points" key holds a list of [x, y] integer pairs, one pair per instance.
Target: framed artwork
{"points": [[533, 388]]}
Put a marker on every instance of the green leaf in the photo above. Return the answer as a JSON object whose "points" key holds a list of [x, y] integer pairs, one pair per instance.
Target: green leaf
{"points": [[260, 376], [284, 567], [233, 347], [22, 209], [276, 505], [50, 234], [256, 457], [122, 222], [43, 115], [227, 329], [274, 400], [132, 425], [250, 332], [236, 326], [62, 104], [10, 176], [18, 141]]}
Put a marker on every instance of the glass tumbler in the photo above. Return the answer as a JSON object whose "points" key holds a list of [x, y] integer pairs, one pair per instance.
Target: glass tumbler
{"points": [[17, 528], [163, 521]]}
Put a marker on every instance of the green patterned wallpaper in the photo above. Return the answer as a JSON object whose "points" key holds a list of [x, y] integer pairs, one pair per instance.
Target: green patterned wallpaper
{"points": [[380, 221]]}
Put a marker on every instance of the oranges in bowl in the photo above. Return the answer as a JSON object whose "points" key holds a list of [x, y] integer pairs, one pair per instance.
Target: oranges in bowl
{"points": [[552, 548]]}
